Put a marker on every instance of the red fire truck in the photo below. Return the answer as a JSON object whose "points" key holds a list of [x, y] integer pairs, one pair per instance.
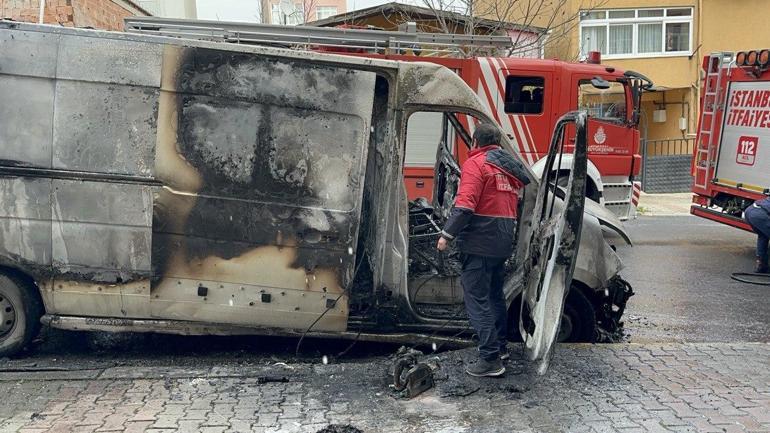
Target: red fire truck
{"points": [[731, 164], [526, 96]]}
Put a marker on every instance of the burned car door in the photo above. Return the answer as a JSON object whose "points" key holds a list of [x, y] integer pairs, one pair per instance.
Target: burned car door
{"points": [[553, 244], [447, 173], [262, 161]]}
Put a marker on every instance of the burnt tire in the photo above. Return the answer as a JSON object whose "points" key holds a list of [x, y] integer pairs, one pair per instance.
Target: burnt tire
{"points": [[578, 323], [20, 312]]}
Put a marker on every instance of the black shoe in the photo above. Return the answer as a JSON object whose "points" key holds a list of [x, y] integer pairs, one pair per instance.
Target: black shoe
{"points": [[761, 268], [504, 353], [484, 368]]}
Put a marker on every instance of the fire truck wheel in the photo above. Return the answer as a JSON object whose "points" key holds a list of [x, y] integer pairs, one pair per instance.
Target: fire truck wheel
{"points": [[20, 312], [578, 324]]}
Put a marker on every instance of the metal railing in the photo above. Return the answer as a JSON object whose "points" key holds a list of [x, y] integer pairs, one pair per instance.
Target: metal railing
{"points": [[669, 146]]}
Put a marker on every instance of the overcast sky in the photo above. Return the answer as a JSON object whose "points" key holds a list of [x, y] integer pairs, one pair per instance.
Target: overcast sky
{"points": [[247, 10]]}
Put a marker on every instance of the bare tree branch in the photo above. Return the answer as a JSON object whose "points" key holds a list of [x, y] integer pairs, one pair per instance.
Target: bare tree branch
{"points": [[548, 19]]}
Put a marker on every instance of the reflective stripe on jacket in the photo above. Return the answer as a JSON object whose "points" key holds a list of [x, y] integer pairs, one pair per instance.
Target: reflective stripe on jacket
{"points": [[483, 219]]}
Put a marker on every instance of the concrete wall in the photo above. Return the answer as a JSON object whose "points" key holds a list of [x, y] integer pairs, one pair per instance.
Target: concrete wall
{"points": [[100, 14]]}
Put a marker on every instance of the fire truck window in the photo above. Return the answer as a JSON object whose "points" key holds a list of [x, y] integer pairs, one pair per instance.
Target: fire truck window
{"points": [[604, 104], [424, 133], [524, 95]]}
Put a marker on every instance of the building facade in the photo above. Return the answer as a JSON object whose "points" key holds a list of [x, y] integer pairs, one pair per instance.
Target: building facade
{"points": [[99, 14], [664, 40], [294, 12]]}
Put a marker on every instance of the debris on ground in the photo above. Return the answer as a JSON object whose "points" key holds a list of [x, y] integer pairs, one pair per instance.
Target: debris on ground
{"points": [[412, 377], [339, 428], [272, 379]]}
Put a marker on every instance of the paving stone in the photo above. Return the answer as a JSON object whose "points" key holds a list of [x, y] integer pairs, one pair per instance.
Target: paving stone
{"points": [[590, 388]]}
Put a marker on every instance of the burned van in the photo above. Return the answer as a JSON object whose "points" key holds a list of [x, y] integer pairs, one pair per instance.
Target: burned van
{"points": [[151, 184]]}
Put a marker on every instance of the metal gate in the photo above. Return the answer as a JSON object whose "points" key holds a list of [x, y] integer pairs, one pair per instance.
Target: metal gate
{"points": [[666, 165]]}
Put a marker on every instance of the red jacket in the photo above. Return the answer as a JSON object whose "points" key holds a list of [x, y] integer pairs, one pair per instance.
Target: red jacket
{"points": [[484, 215]]}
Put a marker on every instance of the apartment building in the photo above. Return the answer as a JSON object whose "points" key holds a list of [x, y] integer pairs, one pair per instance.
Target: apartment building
{"points": [[663, 39], [293, 12]]}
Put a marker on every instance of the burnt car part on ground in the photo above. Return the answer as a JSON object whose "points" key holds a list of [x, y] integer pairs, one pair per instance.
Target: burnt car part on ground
{"points": [[411, 375], [229, 199]]}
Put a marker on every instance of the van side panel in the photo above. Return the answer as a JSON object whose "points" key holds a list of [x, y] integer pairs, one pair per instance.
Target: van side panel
{"points": [[263, 163], [164, 181], [79, 128]]}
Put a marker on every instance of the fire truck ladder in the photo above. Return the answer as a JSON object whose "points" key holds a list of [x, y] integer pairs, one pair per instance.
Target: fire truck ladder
{"points": [[373, 41], [713, 103]]}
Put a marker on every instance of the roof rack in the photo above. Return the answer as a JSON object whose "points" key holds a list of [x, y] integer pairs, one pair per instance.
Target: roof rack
{"points": [[378, 41]]}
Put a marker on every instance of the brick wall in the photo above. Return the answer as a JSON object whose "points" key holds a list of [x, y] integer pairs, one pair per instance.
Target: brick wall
{"points": [[99, 14]]}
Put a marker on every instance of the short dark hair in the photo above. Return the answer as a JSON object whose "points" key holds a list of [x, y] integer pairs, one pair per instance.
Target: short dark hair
{"points": [[487, 134]]}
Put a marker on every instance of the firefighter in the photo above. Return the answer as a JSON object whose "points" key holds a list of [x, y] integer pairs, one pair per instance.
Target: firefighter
{"points": [[483, 223], [758, 217]]}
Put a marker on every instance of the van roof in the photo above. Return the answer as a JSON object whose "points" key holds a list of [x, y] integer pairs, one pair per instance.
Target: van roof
{"points": [[359, 63]]}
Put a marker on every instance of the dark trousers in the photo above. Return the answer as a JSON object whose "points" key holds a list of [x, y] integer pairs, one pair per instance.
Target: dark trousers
{"points": [[482, 279], [759, 220]]}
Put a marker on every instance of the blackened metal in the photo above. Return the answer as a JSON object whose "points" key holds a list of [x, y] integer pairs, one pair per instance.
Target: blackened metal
{"points": [[12, 169]]}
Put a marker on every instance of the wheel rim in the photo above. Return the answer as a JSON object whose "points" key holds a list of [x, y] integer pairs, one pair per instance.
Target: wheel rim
{"points": [[7, 316], [565, 330]]}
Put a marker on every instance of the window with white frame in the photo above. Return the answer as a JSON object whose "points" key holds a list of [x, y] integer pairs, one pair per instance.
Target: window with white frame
{"points": [[297, 16], [276, 15], [292, 16], [322, 12], [637, 32]]}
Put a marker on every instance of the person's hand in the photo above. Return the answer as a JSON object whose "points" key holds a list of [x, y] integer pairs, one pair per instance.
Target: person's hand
{"points": [[441, 244]]}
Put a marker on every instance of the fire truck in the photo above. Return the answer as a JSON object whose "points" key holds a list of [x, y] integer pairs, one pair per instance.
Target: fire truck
{"points": [[731, 162], [526, 96]]}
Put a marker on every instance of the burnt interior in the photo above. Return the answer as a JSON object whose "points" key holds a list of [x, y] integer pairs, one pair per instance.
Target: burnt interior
{"points": [[434, 283]]}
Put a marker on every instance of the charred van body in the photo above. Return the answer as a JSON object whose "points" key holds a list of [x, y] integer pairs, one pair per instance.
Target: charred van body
{"points": [[165, 185]]}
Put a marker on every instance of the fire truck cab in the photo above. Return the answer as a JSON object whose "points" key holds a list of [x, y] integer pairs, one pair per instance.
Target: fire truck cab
{"points": [[731, 163]]}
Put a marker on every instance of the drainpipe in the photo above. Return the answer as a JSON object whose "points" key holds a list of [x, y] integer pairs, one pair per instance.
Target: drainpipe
{"points": [[42, 9], [695, 96]]}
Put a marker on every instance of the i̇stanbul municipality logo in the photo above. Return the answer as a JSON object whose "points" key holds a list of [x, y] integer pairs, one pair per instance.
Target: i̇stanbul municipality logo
{"points": [[600, 137]]}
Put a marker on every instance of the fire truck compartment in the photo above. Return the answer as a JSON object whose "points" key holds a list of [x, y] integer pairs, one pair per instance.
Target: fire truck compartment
{"points": [[744, 157]]}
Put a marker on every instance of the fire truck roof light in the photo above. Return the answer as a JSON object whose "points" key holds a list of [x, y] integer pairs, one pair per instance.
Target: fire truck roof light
{"points": [[740, 58], [764, 58], [751, 58]]}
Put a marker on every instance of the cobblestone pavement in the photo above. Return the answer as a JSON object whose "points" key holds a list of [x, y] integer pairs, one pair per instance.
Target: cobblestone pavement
{"points": [[625, 387]]}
